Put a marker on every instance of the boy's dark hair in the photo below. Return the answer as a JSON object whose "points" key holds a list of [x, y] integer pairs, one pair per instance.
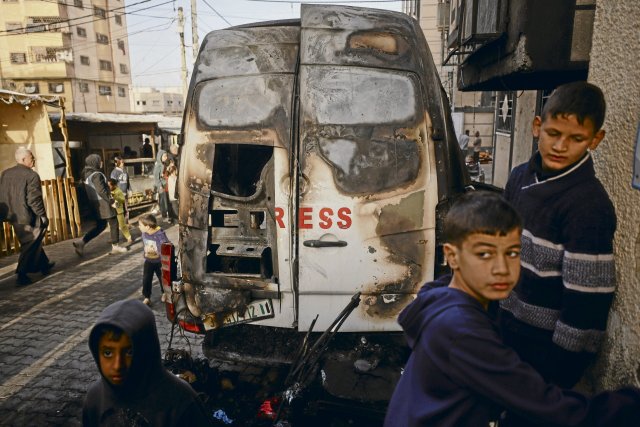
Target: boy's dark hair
{"points": [[117, 159], [149, 220], [113, 181], [583, 99], [479, 212]]}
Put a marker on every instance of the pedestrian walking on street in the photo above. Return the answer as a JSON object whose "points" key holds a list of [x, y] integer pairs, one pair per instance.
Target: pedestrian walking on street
{"points": [[119, 205], [464, 142], [21, 204], [160, 183], [172, 179], [152, 239], [477, 146], [120, 175], [135, 389], [460, 373], [101, 202]]}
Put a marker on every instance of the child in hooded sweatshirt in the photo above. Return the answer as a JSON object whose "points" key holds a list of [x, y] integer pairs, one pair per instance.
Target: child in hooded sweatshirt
{"points": [[460, 373], [152, 239], [134, 388]]}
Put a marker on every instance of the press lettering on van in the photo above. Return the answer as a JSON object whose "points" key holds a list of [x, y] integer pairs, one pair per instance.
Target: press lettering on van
{"points": [[324, 215]]}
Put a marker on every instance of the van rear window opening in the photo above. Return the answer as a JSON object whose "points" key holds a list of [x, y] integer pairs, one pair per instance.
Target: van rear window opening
{"points": [[237, 168]]}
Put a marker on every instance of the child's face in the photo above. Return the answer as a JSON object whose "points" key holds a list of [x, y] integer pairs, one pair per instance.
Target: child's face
{"points": [[111, 186], [115, 356], [143, 228], [562, 141], [485, 266]]}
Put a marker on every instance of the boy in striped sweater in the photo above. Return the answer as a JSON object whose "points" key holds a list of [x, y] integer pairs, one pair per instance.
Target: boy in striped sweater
{"points": [[557, 316]]}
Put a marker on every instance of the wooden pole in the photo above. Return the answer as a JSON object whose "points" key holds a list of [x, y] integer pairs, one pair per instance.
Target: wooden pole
{"points": [[65, 136]]}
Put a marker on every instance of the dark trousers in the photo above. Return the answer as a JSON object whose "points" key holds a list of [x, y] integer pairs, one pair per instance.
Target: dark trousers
{"points": [[173, 209], [149, 269], [32, 257], [163, 202], [99, 227]]}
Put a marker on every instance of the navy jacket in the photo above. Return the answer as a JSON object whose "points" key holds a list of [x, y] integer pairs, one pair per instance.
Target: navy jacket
{"points": [[461, 374]]}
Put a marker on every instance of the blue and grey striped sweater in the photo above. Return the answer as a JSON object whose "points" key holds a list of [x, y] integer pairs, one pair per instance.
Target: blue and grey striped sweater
{"points": [[557, 315]]}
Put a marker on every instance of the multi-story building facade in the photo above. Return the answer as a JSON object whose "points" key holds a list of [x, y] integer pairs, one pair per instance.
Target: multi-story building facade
{"points": [[473, 111], [76, 49], [169, 101]]}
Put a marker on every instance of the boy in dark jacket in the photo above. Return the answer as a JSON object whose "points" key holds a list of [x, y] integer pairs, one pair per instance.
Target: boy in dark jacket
{"points": [[460, 373], [557, 315], [135, 389], [152, 239]]}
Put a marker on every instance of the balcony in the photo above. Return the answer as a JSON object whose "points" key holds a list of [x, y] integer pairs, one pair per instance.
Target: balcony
{"points": [[519, 44]]}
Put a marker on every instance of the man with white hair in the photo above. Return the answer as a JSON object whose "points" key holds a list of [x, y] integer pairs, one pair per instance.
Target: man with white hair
{"points": [[22, 205]]}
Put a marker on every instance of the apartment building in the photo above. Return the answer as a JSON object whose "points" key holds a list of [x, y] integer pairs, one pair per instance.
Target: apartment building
{"points": [[168, 101], [473, 111], [76, 49]]}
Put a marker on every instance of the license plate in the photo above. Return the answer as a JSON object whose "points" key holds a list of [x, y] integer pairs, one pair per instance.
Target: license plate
{"points": [[256, 310]]}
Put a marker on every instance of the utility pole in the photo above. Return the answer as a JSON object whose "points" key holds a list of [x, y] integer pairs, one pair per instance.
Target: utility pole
{"points": [[182, 53], [194, 30]]}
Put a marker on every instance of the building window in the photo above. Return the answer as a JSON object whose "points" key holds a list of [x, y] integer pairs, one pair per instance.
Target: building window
{"points": [[169, 102], [31, 88], [84, 60], [118, 19], [504, 112], [78, 3], [121, 92], [9, 1], [124, 69], [137, 102], [18, 58], [81, 32], [84, 87], [102, 39], [105, 65], [104, 90], [13, 27], [144, 102], [100, 12], [121, 46], [56, 87]]}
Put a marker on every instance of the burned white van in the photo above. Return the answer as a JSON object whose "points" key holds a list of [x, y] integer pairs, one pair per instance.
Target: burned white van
{"points": [[317, 158]]}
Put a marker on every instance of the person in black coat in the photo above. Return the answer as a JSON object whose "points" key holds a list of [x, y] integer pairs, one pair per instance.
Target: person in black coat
{"points": [[22, 205], [99, 195], [134, 388]]}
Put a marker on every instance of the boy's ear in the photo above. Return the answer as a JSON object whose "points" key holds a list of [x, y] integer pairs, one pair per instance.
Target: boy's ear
{"points": [[451, 255], [596, 139], [535, 126]]}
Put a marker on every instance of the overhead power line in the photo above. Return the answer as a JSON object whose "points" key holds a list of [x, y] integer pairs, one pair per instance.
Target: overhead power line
{"points": [[221, 17]]}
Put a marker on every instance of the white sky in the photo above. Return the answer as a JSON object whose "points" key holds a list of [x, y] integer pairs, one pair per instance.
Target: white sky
{"points": [[154, 45]]}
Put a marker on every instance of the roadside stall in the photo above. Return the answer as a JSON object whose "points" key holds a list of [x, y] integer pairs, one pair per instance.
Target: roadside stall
{"points": [[24, 122]]}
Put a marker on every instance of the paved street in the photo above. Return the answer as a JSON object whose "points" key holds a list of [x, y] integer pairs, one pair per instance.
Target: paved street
{"points": [[45, 363]]}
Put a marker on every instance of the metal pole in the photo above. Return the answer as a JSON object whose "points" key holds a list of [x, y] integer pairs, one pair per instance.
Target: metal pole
{"points": [[194, 29], [65, 137], [182, 53]]}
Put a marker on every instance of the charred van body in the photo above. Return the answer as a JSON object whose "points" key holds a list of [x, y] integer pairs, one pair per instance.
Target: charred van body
{"points": [[318, 157]]}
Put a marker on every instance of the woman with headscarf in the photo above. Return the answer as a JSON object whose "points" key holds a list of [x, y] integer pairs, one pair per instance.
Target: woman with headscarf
{"points": [[101, 202]]}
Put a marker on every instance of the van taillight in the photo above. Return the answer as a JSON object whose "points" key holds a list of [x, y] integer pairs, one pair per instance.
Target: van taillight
{"points": [[190, 327], [167, 262]]}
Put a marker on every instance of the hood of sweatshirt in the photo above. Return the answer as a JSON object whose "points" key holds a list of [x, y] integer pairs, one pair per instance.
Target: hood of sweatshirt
{"points": [[159, 155], [427, 305], [91, 165], [137, 321]]}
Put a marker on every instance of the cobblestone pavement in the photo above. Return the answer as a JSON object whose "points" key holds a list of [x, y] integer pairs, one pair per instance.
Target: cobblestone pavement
{"points": [[45, 363]]}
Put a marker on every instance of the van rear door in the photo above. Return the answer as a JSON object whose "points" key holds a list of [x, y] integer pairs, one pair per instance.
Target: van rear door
{"points": [[367, 185]]}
